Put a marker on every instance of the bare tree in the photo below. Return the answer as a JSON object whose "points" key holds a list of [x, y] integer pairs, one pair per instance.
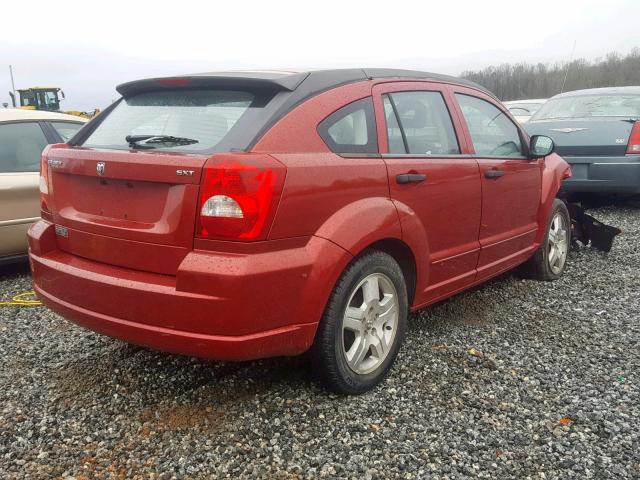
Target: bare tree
{"points": [[523, 80]]}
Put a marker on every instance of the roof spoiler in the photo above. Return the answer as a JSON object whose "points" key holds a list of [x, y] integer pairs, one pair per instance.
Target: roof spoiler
{"points": [[236, 80]]}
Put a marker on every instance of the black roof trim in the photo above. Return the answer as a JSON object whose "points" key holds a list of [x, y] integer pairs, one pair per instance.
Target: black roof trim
{"points": [[373, 73], [305, 84]]}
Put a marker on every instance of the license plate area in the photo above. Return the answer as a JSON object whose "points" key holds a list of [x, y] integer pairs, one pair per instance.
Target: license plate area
{"points": [[112, 199], [579, 171]]}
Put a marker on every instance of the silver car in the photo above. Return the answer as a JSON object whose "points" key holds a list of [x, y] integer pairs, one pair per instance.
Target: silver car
{"points": [[23, 136]]}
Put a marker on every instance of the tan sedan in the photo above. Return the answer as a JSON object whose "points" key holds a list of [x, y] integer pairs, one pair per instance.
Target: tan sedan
{"points": [[23, 136]]}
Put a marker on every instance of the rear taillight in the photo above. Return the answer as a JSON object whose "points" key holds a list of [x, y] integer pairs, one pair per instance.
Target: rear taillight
{"points": [[238, 196], [633, 147], [44, 182], [46, 164]]}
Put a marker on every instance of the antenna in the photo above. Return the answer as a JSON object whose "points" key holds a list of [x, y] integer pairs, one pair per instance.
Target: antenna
{"points": [[566, 73], [13, 86]]}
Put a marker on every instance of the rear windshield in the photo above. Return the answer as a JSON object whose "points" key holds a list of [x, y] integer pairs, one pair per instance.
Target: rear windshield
{"points": [[205, 116], [586, 106]]}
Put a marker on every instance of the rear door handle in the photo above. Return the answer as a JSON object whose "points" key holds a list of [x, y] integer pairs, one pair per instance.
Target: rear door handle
{"points": [[493, 173], [410, 178]]}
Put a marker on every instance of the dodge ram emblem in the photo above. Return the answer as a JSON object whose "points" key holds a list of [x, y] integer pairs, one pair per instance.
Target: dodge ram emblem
{"points": [[100, 168]]}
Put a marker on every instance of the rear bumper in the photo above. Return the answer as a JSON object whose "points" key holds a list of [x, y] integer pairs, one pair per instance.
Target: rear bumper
{"points": [[603, 175], [222, 306]]}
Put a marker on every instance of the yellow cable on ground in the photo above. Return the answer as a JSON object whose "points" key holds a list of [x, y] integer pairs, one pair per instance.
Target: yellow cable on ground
{"points": [[20, 300]]}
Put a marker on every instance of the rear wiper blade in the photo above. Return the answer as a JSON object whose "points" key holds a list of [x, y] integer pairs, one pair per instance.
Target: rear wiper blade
{"points": [[151, 141], [631, 120]]}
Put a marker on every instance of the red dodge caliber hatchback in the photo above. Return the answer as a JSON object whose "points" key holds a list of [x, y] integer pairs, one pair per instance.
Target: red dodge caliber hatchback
{"points": [[244, 215]]}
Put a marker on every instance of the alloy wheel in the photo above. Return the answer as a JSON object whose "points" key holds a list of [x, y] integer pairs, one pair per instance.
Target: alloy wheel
{"points": [[370, 323], [558, 243]]}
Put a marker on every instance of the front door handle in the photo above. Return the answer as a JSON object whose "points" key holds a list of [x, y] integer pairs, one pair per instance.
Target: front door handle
{"points": [[493, 173], [410, 178]]}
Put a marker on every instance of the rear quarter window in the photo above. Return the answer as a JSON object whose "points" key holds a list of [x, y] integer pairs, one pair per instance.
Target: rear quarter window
{"points": [[351, 129]]}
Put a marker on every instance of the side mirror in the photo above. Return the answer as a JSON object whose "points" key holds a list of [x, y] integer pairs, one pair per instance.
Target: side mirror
{"points": [[540, 146]]}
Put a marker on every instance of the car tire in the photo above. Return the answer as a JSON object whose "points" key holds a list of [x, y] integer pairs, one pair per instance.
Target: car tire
{"points": [[549, 261], [360, 335]]}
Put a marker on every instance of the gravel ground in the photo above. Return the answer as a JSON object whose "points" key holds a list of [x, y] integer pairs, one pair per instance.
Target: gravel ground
{"points": [[515, 379]]}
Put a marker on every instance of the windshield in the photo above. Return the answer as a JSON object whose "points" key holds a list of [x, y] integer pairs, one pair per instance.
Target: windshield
{"points": [[206, 116], [524, 109], [586, 106]]}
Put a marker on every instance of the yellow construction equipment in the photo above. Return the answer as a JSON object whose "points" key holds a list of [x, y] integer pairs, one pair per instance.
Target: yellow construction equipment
{"points": [[45, 98]]}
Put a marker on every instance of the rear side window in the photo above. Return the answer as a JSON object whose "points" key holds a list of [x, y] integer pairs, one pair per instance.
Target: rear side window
{"points": [[66, 130], [492, 132], [21, 146], [352, 129], [395, 136], [206, 116], [419, 123]]}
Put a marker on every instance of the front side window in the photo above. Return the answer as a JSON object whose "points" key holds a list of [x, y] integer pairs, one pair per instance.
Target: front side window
{"points": [[493, 134], [352, 129], [419, 123], [204, 117], [21, 146], [66, 130]]}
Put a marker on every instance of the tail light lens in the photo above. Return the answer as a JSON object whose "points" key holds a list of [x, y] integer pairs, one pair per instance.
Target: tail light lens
{"points": [[44, 183], [633, 147], [46, 189], [238, 196]]}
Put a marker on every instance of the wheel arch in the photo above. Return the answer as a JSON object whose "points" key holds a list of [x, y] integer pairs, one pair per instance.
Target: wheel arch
{"points": [[554, 170], [401, 253], [386, 225]]}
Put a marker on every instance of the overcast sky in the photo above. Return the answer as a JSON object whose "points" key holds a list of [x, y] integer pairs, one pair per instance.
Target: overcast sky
{"points": [[87, 50]]}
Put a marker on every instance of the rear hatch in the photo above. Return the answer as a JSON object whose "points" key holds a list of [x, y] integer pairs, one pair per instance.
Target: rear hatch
{"points": [[125, 190], [129, 209]]}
